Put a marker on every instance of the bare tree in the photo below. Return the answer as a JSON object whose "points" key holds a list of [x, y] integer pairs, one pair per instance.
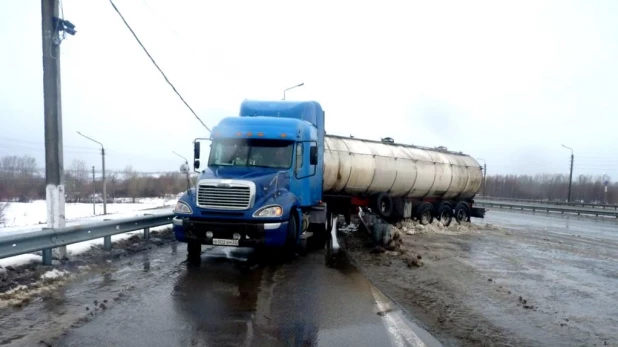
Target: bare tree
{"points": [[133, 182], [19, 178], [552, 187], [77, 181]]}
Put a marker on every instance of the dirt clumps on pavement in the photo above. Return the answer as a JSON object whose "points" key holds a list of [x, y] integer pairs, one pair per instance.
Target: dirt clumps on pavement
{"points": [[416, 268]]}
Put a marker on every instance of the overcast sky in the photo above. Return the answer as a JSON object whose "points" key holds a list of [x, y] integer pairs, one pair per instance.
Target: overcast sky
{"points": [[507, 82]]}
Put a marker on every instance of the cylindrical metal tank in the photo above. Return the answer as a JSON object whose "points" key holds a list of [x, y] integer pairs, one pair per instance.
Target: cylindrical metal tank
{"points": [[364, 167]]}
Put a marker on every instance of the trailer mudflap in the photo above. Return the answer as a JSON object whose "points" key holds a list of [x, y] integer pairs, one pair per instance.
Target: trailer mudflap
{"points": [[478, 212]]}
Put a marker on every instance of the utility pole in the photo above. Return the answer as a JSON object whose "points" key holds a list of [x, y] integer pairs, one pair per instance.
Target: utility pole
{"points": [[54, 178], [571, 174], [103, 165], [94, 192]]}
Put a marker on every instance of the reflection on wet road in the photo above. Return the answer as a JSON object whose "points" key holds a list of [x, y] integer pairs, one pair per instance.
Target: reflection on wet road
{"points": [[157, 300]]}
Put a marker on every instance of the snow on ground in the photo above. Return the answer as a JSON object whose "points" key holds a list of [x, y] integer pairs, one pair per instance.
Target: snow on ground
{"points": [[78, 248], [18, 260], [25, 217], [55, 273], [35, 213]]}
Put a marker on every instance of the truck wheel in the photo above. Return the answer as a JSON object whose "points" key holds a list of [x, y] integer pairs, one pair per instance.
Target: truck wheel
{"points": [[321, 236], [291, 236], [462, 213], [445, 214], [194, 251], [425, 213], [383, 205]]}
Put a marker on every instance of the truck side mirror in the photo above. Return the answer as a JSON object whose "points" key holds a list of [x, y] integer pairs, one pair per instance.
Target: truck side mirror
{"points": [[313, 155], [196, 164], [196, 150]]}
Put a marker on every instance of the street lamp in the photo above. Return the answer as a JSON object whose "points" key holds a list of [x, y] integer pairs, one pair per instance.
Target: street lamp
{"points": [[186, 161], [296, 86], [484, 176], [103, 165], [186, 172], [571, 174]]}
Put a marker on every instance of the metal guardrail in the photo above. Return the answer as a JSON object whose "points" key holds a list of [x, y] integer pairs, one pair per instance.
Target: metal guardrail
{"points": [[548, 208], [559, 203], [47, 239]]}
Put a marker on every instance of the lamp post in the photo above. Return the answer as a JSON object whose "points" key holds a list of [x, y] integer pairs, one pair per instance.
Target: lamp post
{"points": [[571, 173], [484, 176], [296, 86], [186, 161], [103, 165]]}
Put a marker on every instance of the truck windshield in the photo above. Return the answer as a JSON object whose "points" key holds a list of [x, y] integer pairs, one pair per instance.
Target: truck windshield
{"points": [[251, 152]]}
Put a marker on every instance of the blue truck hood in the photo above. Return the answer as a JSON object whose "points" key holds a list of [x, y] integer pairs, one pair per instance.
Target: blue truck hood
{"points": [[235, 172], [262, 177]]}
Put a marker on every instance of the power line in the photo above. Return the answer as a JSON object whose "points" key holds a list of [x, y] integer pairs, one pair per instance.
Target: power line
{"points": [[157, 66]]}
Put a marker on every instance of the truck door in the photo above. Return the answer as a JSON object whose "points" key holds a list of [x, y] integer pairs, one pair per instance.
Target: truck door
{"points": [[303, 172]]}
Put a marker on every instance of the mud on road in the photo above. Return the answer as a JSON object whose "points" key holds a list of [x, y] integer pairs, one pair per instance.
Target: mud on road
{"points": [[486, 286]]}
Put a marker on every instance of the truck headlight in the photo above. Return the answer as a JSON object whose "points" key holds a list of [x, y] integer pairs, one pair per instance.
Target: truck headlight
{"points": [[269, 211], [182, 207]]}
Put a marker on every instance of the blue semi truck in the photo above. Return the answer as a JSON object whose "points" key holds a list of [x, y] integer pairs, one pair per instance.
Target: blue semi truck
{"points": [[274, 178]]}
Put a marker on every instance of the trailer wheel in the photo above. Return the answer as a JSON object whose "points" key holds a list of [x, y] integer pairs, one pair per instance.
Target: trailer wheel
{"points": [[425, 213], [383, 205], [445, 214], [462, 213]]}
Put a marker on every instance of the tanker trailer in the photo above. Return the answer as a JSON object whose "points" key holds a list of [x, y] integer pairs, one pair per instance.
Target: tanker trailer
{"points": [[400, 181]]}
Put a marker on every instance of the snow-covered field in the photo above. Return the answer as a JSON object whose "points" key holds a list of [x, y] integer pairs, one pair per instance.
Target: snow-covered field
{"points": [[34, 213], [27, 217]]}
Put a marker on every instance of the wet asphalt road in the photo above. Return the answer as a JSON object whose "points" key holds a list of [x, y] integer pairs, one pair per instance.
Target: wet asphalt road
{"points": [[564, 265], [156, 299], [597, 228]]}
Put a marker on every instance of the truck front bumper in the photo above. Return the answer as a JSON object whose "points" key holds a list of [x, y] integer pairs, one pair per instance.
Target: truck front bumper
{"points": [[271, 234]]}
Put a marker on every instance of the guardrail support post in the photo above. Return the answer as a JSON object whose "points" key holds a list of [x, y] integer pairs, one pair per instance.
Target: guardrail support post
{"points": [[107, 243], [146, 233], [47, 256]]}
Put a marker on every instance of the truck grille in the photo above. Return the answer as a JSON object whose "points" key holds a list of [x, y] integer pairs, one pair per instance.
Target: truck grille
{"points": [[228, 197]]}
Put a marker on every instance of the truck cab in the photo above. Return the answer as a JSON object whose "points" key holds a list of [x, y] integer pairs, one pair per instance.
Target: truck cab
{"points": [[263, 173]]}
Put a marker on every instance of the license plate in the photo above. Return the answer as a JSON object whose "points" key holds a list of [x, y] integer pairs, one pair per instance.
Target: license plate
{"points": [[225, 242]]}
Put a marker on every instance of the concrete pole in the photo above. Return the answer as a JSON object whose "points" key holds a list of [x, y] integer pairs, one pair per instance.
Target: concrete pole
{"points": [[570, 178], [104, 182], [54, 166], [102, 165], [94, 191]]}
